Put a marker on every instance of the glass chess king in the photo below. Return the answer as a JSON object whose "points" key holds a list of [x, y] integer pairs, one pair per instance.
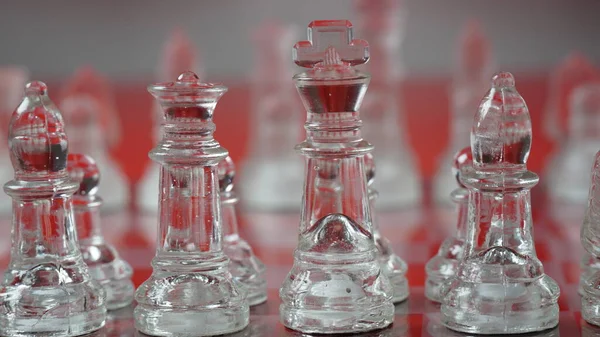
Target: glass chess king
{"points": [[46, 290], [336, 284], [191, 291], [500, 285]]}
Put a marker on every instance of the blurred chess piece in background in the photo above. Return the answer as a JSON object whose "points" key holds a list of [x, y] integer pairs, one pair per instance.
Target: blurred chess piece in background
{"points": [[178, 55], [573, 120], [381, 23], [272, 176], [93, 127], [12, 82], [470, 80]]}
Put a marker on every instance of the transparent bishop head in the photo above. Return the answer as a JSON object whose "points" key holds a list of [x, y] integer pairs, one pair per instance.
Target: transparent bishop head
{"points": [[336, 284], [103, 260], [398, 181], [444, 264], [568, 181], [245, 267], [391, 264], [191, 291], [589, 283], [475, 66], [500, 286], [46, 289]]}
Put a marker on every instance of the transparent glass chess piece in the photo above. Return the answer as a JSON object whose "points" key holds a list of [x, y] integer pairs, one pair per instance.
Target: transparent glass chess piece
{"points": [[443, 265], [245, 267], [589, 284], [391, 264], [272, 175], [568, 177], [103, 261], [398, 179], [500, 285], [191, 291], [474, 68], [178, 55], [12, 82], [46, 290], [81, 113], [336, 284]]}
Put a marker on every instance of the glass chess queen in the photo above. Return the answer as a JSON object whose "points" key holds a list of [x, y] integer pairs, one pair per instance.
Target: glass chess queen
{"points": [[46, 290], [336, 284], [500, 286]]}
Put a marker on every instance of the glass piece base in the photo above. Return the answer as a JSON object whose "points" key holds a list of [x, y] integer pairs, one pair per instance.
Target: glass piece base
{"points": [[439, 269], [510, 308], [395, 269], [49, 326], [349, 320], [247, 269], [119, 293], [186, 322]]}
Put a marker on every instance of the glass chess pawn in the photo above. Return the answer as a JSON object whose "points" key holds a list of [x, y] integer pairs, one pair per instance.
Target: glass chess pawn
{"points": [[391, 264], [102, 259], [178, 55], [500, 286], [398, 182], [245, 267], [46, 289], [335, 284], [93, 128], [191, 291], [444, 264], [474, 68], [272, 175]]}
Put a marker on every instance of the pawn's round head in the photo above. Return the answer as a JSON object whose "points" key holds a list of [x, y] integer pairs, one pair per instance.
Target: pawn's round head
{"points": [[37, 140], [462, 158], [226, 172], [370, 168], [83, 169]]}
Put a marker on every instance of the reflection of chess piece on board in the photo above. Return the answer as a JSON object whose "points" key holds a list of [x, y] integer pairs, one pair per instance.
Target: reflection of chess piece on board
{"points": [[93, 128], [12, 82], [500, 286], [576, 120], [104, 263], [47, 290], [398, 181], [178, 55], [271, 178], [336, 284], [470, 80]]}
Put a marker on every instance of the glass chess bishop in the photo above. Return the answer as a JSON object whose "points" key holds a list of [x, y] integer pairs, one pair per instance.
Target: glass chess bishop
{"points": [[500, 285], [336, 284]]}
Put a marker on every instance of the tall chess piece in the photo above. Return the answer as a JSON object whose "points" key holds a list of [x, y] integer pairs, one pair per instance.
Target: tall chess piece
{"points": [[12, 82], [336, 284], [474, 69], [46, 289], [93, 128], [179, 55], [245, 267], [104, 263], [500, 286], [444, 264], [191, 291], [568, 174], [391, 264], [272, 175], [398, 180]]}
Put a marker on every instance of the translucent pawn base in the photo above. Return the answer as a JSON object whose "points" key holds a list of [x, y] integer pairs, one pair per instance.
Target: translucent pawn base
{"points": [[398, 184], [590, 300], [247, 269], [509, 308], [190, 299], [393, 267], [442, 267], [339, 298], [273, 184], [589, 266]]}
